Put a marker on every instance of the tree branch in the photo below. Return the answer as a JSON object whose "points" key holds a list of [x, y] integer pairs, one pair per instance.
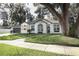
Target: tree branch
{"points": [[51, 9]]}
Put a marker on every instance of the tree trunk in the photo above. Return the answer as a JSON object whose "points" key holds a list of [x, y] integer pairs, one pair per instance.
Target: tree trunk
{"points": [[65, 26], [77, 32], [77, 27], [65, 18]]}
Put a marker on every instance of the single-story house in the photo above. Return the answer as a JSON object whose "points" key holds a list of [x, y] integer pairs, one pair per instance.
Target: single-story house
{"points": [[41, 26]]}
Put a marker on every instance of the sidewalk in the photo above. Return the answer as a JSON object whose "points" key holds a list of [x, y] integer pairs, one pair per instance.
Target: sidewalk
{"points": [[5, 34], [50, 48]]}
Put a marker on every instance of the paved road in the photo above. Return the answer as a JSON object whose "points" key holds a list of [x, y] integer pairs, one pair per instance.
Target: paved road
{"points": [[50, 48]]}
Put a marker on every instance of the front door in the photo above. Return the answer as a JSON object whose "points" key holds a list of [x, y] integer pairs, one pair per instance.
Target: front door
{"points": [[40, 28]]}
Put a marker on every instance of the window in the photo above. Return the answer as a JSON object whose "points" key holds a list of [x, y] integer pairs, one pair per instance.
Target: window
{"points": [[24, 28], [56, 28], [32, 27], [40, 28]]}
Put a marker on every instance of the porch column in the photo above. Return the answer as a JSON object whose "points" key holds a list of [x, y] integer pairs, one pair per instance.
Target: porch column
{"points": [[44, 28], [51, 28], [36, 28]]}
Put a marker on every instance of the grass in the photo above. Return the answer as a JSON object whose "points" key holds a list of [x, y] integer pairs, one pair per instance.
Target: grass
{"points": [[14, 36], [44, 39], [9, 37], [8, 50], [53, 39]]}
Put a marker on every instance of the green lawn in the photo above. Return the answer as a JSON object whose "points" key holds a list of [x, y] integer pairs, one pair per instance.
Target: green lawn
{"points": [[8, 50], [10, 37], [53, 39], [15, 36], [45, 39]]}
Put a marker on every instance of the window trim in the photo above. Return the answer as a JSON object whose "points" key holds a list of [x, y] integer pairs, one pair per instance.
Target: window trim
{"points": [[32, 27], [56, 27]]}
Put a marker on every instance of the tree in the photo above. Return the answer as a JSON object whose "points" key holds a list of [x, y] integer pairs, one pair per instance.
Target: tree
{"points": [[72, 19], [63, 17], [11, 7], [4, 15], [18, 13], [29, 16], [74, 11], [41, 11], [77, 21]]}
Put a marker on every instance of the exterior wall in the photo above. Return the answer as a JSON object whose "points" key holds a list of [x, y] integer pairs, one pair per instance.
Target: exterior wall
{"points": [[45, 23], [24, 28], [60, 32], [45, 28], [61, 29], [51, 28], [32, 31]]}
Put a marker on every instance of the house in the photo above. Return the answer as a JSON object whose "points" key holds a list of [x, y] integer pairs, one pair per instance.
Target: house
{"points": [[41, 26], [25, 27]]}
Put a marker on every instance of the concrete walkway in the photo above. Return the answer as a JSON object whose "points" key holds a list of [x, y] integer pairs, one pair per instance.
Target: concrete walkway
{"points": [[50, 48], [5, 34]]}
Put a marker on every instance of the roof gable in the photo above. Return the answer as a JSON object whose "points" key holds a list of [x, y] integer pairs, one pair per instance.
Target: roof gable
{"points": [[43, 20]]}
